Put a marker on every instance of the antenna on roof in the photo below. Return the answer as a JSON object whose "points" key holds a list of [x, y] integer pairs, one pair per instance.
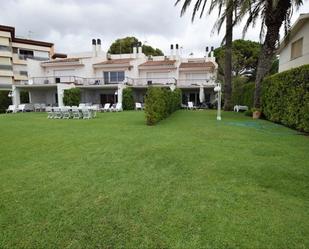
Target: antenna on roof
{"points": [[30, 33]]}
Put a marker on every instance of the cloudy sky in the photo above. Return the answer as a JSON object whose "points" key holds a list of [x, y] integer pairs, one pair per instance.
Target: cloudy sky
{"points": [[71, 24]]}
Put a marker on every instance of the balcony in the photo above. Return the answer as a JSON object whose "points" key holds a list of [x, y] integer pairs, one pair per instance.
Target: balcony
{"points": [[151, 81], [5, 51], [6, 67], [32, 57], [69, 80], [196, 82]]}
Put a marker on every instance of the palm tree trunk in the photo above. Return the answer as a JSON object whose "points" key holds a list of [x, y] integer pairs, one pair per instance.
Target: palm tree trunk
{"points": [[264, 64], [228, 58], [273, 21]]}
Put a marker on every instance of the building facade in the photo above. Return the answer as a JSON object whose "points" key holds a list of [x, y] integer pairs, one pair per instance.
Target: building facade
{"points": [[294, 49], [14, 53], [101, 77]]}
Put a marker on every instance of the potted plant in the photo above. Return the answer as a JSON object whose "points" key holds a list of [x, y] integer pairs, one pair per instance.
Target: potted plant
{"points": [[256, 113]]}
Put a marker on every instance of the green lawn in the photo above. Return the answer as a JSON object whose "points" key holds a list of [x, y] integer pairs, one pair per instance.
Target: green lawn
{"points": [[189, 182]]}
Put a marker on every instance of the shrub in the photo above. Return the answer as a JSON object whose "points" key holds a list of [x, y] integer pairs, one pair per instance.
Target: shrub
{"points": [[160, 103], [243, 92], [5, 101], [71, 97], [285, 98], [127, 99], [248, 113]]}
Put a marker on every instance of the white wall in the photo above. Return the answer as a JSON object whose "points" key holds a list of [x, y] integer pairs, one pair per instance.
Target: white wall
{"points": [[285, 61]]}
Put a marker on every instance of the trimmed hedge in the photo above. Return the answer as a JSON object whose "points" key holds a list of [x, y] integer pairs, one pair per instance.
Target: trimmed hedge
{"points": [[127, 99], [71, 97], [5, 101], [160, 103], [285, 98], [243, 92]]}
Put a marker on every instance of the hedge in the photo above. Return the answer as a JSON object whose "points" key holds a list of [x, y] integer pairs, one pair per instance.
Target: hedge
{"points": [[285, 98], [160, 103], [127, 99], [71, 97], [243, 92], [5, 101]]}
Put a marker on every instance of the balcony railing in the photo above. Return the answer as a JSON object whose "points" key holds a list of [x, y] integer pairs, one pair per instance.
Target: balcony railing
{"points": [[196, 82], [6, 67], [5, 48], [21, 73], [68, 80], [151, 81], [29, 56]]}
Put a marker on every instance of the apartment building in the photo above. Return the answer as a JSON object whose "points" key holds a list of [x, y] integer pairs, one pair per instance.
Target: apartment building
{"points": [[14, 53], [102, 77], [294, 48]]}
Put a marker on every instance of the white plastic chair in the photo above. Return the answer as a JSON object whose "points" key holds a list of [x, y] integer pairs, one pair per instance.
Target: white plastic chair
{"points": [[117, 108], [21, 108], [57, 113], [138, 106], [11, 108], [76, 113], [191, 106], [50, 113], [65, 112], [106, 107], [43, 107], [37, 107], [86, 113]]}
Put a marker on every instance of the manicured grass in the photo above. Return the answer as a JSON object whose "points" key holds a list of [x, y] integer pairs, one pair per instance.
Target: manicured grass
{"points": [[189, 182]]}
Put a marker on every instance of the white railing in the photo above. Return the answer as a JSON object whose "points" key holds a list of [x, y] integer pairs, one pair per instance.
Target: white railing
{"points": [[68, 80], [151, 81], [196, 82]]}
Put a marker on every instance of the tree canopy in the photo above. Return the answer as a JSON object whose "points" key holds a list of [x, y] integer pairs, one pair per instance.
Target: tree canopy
{"points": [[245, 56], [125, 46]]}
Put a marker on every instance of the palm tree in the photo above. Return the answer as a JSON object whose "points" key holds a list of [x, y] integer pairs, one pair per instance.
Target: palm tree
{"points": [[227, 15], [274, 13]]}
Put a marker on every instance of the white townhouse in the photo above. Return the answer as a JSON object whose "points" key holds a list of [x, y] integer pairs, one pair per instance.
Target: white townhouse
{"points": [[294, 48], [102, 77]]}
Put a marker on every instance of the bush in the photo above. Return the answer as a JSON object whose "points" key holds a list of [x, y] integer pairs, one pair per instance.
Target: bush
{"points": [[127, 99], [5, 101], [243, 92], [71, 97], [248, 113], [160, 103], [285, 98]]}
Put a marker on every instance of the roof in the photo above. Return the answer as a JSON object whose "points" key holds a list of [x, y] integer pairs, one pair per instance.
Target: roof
{"points": [[204, 65], [22, 40], [62, 60], [114, 62], [158, 63], [301, 20]]}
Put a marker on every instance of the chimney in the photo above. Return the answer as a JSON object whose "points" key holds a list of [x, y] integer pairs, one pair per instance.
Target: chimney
{"points": [[207, 52], [134, 50], [212, 52], [140, 50], [94, 48], [177, 50], [98, 46], [172, 51]]}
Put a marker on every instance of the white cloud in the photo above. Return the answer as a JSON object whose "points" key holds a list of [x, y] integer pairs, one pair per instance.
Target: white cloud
{"points": [[72, 24]]}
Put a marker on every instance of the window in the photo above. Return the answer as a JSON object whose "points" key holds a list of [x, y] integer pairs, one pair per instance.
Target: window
{"points": [[113, 77], [297, 49], [24, 54]]}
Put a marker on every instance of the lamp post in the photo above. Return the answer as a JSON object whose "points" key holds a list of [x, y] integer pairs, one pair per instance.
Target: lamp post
{"points": [[218, 91]]}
